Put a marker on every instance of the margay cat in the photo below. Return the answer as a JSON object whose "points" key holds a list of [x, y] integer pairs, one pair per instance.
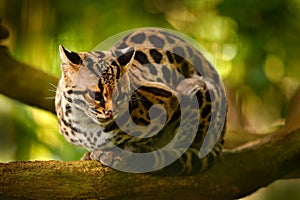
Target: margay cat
{"points": [[152, 66]]}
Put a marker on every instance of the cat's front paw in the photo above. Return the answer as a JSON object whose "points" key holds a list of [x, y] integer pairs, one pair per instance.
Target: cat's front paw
{"points": [[86, 156], [108, 158]]}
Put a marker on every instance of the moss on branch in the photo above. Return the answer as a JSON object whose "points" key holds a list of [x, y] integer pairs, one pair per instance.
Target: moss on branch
{"points": [[239, 173]]}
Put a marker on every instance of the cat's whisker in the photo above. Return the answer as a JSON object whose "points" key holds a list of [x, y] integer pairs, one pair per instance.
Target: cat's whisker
{"points": [[52, 88], [50, 98]]}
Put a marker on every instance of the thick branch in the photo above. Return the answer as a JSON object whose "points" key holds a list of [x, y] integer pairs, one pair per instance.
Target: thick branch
{"points": [[25, 83], [240, 172]]}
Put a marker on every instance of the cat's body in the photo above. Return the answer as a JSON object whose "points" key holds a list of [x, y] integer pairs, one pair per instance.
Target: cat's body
{"points": [[104, 100]]}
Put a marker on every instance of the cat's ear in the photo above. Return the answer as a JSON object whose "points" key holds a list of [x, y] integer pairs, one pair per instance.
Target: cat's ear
{"points": [[70, 57], [71, 61], [125, 56]]}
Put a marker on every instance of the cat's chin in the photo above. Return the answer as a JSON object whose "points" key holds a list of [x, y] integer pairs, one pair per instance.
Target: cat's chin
{"points": [[103, 121], [109, 126]]}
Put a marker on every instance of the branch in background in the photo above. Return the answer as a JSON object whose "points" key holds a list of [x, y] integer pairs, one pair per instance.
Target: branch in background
{"points": [[237, 174], [3, 31], [25, 83]]}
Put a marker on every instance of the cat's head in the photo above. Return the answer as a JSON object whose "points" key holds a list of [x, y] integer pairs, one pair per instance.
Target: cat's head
{"points": [[91, 78]]}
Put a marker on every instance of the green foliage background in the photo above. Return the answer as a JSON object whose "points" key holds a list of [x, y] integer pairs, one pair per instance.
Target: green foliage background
{"points": [[254, 44]]}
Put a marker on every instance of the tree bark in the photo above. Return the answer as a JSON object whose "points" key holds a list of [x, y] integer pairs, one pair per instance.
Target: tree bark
{"points": [[238, 173], [25, 83]]}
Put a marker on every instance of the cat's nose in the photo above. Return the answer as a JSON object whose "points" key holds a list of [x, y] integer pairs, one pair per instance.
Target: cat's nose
{"points": [[108, 113]]}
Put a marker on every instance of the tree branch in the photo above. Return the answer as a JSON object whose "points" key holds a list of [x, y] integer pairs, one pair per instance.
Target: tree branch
{"points": [[239, 173], [25, 83]]}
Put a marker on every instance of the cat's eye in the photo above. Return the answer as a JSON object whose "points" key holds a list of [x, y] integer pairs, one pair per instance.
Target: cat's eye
{"points": [[99, 97]]}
